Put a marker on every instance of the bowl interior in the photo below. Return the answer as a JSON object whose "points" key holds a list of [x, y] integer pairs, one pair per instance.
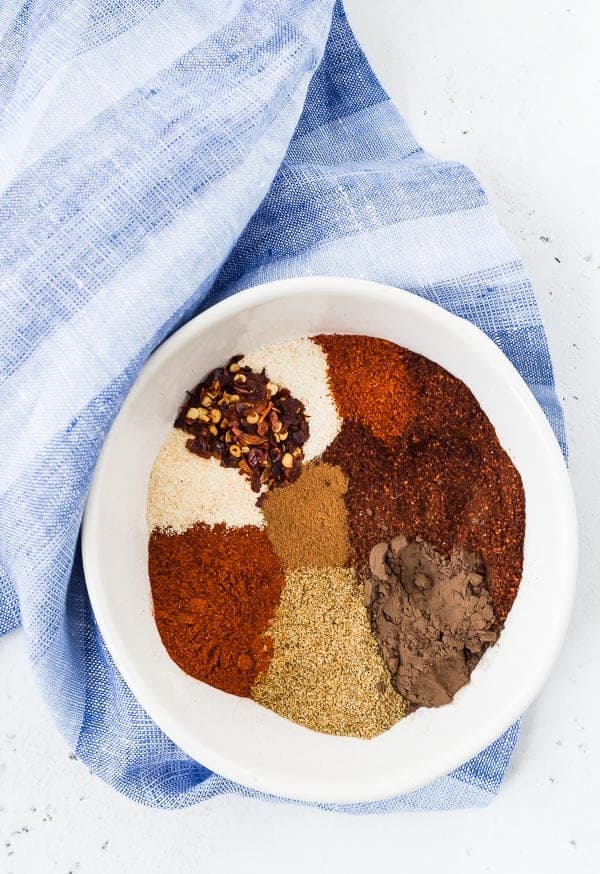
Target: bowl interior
{"points": [[236, 737]]}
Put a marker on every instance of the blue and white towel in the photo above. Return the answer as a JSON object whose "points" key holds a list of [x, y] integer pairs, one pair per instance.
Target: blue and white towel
{"points": [[156, 156]]}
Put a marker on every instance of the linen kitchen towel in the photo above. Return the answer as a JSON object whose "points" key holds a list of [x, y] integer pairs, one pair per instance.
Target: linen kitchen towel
{"points": [[155, 157]]}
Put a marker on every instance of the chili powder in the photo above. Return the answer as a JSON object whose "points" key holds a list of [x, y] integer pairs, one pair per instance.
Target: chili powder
{"points": [[215, 591], [445, 479]]}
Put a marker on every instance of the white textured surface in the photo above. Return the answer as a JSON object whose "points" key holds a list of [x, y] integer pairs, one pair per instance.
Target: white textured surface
{"points": [[513, 89]]}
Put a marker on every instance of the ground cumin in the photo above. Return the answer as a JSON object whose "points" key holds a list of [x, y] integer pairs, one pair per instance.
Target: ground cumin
{"points": [[365, 374], [446, 479], [215, 591], [307, 521]]}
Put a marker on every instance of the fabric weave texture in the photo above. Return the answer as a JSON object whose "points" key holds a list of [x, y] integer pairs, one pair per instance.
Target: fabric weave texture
{"points": [[157, 156]]}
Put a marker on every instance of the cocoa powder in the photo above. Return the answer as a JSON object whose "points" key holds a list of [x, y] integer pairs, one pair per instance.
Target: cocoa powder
{"points": [[433, 617]]}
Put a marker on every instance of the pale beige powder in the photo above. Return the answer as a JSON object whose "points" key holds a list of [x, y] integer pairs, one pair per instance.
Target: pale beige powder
{"points": [[327, 672], [301, 366], [185, 489]]}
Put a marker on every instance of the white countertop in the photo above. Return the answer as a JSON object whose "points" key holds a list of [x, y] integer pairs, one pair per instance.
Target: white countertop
{"points": [[511, 88]]}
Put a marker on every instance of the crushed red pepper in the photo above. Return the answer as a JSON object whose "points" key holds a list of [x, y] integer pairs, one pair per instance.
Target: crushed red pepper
{"points": [[445, 479], [245, 420]]}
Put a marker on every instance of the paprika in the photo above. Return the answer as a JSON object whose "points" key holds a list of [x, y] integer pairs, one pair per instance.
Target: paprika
{"points": [[215, 590]]}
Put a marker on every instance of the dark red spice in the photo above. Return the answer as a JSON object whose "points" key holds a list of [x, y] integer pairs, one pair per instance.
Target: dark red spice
{"points": [[446, 479], [215, 591], [246, 421]]}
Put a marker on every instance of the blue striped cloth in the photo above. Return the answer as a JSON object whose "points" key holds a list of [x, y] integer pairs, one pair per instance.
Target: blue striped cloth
{"points": [[156, 156]]}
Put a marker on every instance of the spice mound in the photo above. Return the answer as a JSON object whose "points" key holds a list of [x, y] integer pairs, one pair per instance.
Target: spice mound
{"points": [[185, 489], [433, 617], [246, 421], [341, 574], [326, 672], [371, 382], [300, 364], [215, 590], [307, 521]]}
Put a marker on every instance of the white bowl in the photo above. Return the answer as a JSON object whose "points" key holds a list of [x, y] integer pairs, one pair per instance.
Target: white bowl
{"points": [[235, 736]]}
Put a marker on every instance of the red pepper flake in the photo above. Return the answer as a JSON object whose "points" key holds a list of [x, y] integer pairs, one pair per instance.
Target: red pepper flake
{"points": [[246, 421]]}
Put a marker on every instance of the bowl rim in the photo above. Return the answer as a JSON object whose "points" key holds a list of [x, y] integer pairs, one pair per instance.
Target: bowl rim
{"points": [[236, 303]]}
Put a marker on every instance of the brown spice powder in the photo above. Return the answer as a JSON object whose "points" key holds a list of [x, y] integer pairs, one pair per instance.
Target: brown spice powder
{"points": [[433, 617], [370, 382], [307, 521], [215, 591]]}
